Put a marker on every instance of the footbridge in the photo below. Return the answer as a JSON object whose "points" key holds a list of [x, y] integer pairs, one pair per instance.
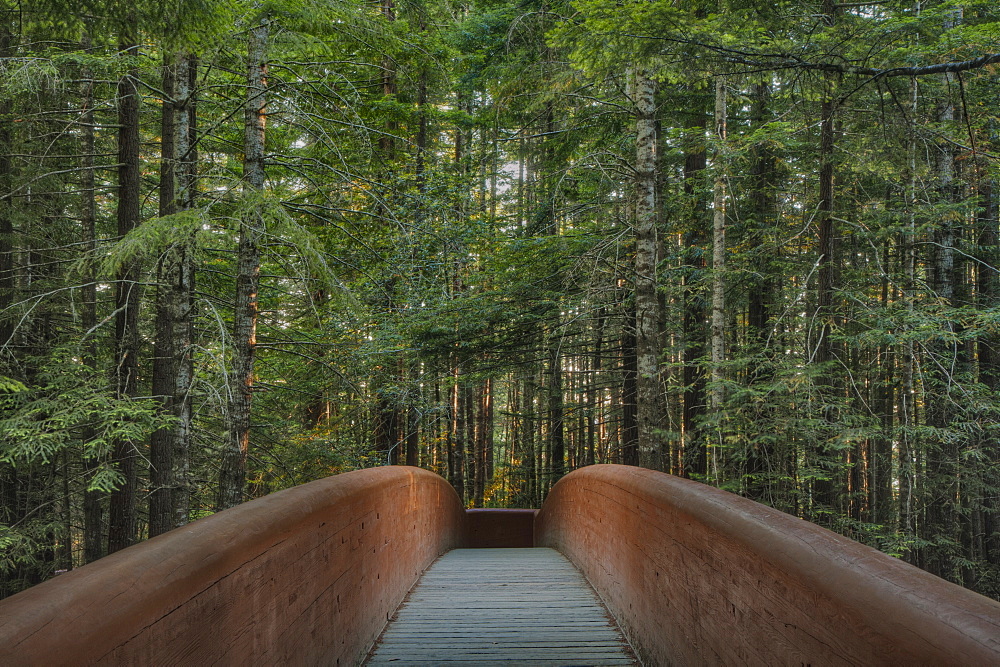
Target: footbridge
{"points": [[679, 573]]}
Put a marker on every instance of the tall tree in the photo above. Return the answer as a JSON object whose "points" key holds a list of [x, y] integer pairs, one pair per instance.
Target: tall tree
{"points": [[232, 474], [93, 505], [693, 335], [122, 519], [718, 336], [945, 358], [172, 360], [647, 302], [826, 312]]}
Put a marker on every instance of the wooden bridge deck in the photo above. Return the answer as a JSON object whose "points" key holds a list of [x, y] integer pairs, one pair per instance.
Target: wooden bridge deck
{"points": [[502, 606]]}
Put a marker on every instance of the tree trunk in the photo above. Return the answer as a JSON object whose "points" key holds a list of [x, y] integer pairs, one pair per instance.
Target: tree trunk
{"points": [[762, 210], [232, 475], [172, 362], [649, 399], [693, 335], [941, 492], [557, 427], [907, 409], [387, 145], [526, 442], [880, 478], [629, 432], [10, 475], [825, 488], [484, 441], [487, 431], [421, 149], [184, 301], [122, 519], [7, 276], [988, 347], [594, 412], [718, 267], [412, 437], [387, 426], [161, 454], [469, 441], [93, 506], [762, 465], [456, 444]]}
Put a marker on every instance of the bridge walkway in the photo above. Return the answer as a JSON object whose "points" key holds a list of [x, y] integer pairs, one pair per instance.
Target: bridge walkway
{"points": [[494, 606]]}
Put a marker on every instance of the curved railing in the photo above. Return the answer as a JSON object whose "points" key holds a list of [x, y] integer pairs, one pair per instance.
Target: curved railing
{"points": [[696, 575], [308, 575]]}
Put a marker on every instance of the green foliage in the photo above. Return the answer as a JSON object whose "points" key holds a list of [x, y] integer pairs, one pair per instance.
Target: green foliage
{"points": [[9, 388], [150, 239], [24, 549], [44, 418], [449, 200]]}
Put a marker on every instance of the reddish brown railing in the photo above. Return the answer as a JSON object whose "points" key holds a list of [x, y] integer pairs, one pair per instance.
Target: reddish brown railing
{"points": [[304, 576], [699, 576], [310, 575]]}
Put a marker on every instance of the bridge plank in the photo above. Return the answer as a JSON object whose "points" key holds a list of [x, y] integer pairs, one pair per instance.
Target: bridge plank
{"points": [[515, 606]]}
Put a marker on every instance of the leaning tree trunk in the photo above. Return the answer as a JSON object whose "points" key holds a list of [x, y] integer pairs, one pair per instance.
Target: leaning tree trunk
{"points": [[232, 475]]}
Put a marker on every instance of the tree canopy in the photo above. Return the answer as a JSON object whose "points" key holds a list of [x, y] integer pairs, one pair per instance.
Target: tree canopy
{"points": [[244, 245]]}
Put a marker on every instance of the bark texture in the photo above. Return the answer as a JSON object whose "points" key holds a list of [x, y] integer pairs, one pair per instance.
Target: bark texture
{"points": [[232, 475], [647, 306], [719, 257], [122, 519]]}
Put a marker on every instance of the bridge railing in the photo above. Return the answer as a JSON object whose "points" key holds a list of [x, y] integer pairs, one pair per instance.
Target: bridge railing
{"points": [[308, 575], [696, 575]]}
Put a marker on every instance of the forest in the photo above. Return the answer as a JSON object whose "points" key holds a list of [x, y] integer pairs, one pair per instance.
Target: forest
{"points": [[248, 244]]}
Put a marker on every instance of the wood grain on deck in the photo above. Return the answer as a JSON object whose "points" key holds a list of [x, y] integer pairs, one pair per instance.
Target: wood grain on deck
{"points": [[502, 606]]}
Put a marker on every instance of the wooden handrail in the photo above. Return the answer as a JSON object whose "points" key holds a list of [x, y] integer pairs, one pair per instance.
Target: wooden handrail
{"points": [[308, 575], [696, 575]]}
